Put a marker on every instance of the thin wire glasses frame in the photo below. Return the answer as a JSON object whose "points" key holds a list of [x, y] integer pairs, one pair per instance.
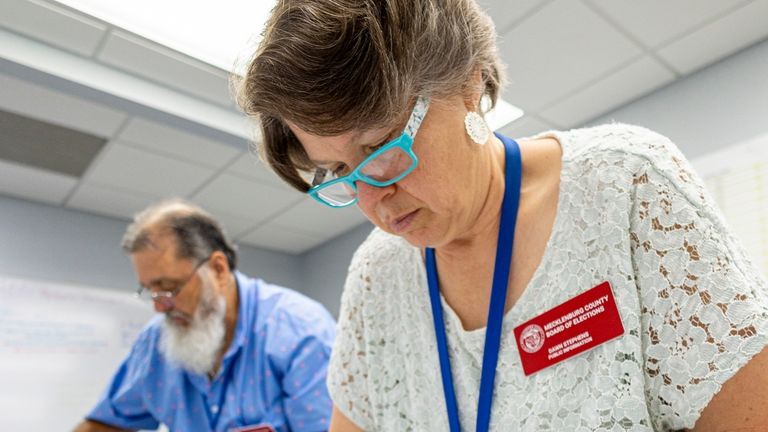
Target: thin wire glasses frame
{"points": [[378, 169], [165, 297]]}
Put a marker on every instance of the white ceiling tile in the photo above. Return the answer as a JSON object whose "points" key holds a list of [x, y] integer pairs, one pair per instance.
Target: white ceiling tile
{"points": [[52, 24], [249, 165], [503, 15], [725, 36], [166, 66], [525, 127], [311, 217], [40, 103], [175, 142], [249, 199], [654, 22], [559, 49], [233, 225], [131, 169], [34, 184], [625, 85], [276, 238], [109, 201]]}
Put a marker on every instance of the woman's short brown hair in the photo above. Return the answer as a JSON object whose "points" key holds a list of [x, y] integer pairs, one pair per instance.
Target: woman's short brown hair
{"points": [[331, 66]]}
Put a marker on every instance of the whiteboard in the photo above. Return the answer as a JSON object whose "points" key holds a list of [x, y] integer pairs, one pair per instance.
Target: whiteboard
{"points": [[737, 178], [59, 346]]}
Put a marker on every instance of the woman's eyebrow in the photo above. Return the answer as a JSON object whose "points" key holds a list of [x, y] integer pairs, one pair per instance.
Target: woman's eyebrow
{"points": [[318, 163], [380, 139]]}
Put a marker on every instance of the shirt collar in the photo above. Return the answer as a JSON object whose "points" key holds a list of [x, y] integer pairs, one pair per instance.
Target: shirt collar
{"points": [[246, 310]]}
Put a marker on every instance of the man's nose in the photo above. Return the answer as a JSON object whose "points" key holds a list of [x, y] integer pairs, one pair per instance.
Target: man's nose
{"points": [[162, 304]]}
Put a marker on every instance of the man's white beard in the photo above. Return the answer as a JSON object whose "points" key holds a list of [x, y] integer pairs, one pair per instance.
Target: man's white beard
{"points": [[196, 347]]}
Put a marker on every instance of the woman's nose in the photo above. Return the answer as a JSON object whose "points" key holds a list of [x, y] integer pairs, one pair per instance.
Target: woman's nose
{"points": [[369, 195]]}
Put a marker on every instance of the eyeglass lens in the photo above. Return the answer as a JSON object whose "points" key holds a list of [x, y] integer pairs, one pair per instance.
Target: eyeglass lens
{"points": [[385, 167]]}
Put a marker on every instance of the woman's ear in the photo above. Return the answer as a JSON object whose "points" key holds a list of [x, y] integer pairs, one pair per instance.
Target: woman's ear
{"points": [[473, 91]]}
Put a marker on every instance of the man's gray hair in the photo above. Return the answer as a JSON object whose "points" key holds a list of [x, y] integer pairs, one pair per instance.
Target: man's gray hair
{"points": [[197, 233]]}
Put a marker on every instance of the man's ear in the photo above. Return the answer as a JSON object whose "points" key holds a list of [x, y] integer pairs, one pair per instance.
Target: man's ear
{"points": [[220, 266], [473, 91]]}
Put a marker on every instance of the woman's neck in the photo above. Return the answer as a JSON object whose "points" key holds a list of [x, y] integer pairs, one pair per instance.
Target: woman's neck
{"points": [[482, 227]]}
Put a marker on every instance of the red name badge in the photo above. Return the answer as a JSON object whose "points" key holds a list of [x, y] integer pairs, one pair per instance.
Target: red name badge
{"points": [[580, 324]]}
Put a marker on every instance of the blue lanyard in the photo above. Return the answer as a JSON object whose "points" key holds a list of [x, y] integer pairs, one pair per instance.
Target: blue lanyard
{"points": [[513, 174]]}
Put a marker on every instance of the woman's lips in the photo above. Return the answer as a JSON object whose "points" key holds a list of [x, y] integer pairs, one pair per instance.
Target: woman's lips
{"points": [[400, 224]]}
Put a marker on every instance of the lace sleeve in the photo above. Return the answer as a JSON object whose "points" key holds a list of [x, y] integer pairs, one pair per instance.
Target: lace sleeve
{"points": [[348, 370], [704, 307]]}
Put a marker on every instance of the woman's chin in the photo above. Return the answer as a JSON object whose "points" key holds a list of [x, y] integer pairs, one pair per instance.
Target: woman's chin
{"points": [[421, 238]]}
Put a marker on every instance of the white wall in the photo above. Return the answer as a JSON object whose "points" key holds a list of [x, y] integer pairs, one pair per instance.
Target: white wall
{"points": [[38, 241], [325, 266], [724, 104]]}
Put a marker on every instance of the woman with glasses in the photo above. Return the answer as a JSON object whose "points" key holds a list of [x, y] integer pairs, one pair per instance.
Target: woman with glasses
{"points": [[573, 281]]}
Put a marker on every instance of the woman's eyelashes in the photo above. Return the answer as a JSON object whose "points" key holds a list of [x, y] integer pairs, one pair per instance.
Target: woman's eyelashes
{"points": [[372, 149], [341, 170]]}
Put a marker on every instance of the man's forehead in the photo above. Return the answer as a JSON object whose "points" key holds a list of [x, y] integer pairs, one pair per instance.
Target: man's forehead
{"points": [[160, 249]]}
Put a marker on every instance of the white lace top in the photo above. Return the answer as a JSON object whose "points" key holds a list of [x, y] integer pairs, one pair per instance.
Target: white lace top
{"points": [[631, 212]]}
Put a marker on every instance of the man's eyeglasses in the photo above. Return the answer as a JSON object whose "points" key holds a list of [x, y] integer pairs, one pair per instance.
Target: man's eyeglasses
{"points": [[165, 295], [387, 165]]}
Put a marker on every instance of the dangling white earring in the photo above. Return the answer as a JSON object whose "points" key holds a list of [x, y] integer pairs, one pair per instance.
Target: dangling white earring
{"points": [[476, 128]]}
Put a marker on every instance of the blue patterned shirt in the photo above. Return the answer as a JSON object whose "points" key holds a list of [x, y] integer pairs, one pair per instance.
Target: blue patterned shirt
{"points": [[273, 372]]}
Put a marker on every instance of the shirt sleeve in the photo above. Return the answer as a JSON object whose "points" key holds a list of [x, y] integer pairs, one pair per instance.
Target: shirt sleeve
{"points": [[300, 349], [348, 369], [122, 404], [704, 306]]}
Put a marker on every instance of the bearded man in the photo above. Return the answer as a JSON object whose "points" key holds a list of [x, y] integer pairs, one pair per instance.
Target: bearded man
{"points": [[228, 352]]}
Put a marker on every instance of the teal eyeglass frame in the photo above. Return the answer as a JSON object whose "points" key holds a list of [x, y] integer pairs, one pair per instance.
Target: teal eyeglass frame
{"points": [[404, 142]]}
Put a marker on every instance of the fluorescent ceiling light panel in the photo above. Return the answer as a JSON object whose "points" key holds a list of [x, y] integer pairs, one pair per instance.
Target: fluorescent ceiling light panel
{"points": [[502, 114], [221, 33]]}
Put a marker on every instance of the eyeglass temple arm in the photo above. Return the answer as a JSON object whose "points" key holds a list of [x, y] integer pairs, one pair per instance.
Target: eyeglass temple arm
{"points": [[319, 176], [417, 116]]}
